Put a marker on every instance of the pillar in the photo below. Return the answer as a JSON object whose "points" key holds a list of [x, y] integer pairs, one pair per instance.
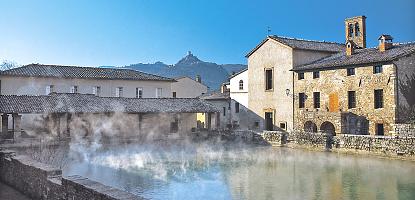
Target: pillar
{"points": [[4, 124], [209, 121], [17, 130]]}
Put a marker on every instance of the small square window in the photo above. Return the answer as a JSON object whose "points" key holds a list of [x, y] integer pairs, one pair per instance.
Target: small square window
{"points": [[316, 74], [377, 69], [350, 71], [256, 124], [283, 125], [300, 76]]}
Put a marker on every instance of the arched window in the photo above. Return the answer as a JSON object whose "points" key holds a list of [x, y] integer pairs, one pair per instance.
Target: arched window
{"points": [[241, 85], [356, 29]]}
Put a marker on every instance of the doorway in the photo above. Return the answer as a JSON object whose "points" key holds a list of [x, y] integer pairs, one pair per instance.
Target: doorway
{"points": [[269, 122]]}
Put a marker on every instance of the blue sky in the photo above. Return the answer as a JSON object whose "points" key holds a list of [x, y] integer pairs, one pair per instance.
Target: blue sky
{"points": [[105, 32]]}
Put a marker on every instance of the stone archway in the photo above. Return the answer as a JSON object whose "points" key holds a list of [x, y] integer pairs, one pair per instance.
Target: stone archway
{"points": [[328, 127], [310, 126]]}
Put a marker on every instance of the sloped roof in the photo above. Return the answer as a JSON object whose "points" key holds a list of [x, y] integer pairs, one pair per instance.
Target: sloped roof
{"points": [[59, 71], [237, 73], [216, 95], [296, 43], [88, 103], [360, 57]]}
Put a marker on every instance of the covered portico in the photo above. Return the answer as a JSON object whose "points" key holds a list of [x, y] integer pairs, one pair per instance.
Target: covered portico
{"points": [[60, 109]]}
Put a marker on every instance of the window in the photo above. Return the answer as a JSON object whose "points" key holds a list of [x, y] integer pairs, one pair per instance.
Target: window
{"points": [[118, 92], [283, 125], [159, 92], [139, 92], [350, 27], [350, 71], [236, 107], [379, 129], [96, 90], [241, 85], [301, 97], [256, 124], [268, 79], [49, 89], [316, 74], [378, 99], [74, 89], [174, 94], [377, 69], [224, 111], [351, 98], [357, 29], [300, 76], [316, 97]]}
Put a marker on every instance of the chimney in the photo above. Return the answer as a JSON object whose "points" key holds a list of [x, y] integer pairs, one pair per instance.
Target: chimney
{"points": [[198, 79], [350, 46], [385, 42], [356, 30]]}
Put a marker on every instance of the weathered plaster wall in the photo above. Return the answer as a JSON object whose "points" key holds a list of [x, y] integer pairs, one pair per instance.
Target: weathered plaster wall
{"points": [[37, 86], [188, 88], [279, 57], [337, 83]]}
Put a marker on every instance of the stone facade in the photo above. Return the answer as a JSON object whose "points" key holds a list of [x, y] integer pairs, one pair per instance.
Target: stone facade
{"points": [[40, 181], [334, 85]]}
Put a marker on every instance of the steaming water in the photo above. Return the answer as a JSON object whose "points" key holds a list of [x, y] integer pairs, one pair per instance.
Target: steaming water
{"points": [[206, 171]]}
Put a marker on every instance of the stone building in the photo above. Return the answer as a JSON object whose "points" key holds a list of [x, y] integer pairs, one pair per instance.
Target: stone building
{"points": [[359, 90], [37, 79], [271, 81]]}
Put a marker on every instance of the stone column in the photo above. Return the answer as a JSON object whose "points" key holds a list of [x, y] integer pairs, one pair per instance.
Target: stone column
{"points": [[4, 124], [209, 121], [17, 130]]}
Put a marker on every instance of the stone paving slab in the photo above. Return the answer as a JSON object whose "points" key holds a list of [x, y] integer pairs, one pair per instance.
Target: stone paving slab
{"points": [[8, 193]]}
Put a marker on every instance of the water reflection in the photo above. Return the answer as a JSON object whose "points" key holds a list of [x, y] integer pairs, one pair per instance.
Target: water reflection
{"points": [[205, 172]]}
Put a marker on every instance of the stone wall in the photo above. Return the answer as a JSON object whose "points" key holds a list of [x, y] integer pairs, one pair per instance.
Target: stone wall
{"points": [[40, 181], [404, 130], [334, 85], [378, 145]]}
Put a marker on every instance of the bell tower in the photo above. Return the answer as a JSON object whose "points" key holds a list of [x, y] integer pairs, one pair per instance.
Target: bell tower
{"points": [[356, 30]]}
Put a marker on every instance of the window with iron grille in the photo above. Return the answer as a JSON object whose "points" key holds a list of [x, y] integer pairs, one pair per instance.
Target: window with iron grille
{"points": [[301, 100], [351, 97], [268, 79], [378, 99], [316, 97]]}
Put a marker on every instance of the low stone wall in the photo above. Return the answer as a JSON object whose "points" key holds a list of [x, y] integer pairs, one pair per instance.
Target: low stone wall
{"points": [[404, 130], [379, 145], [40, 181], [386, 145]]}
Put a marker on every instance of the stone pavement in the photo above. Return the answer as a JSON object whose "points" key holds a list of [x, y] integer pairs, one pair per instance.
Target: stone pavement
{"points": [[8, 193]]}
